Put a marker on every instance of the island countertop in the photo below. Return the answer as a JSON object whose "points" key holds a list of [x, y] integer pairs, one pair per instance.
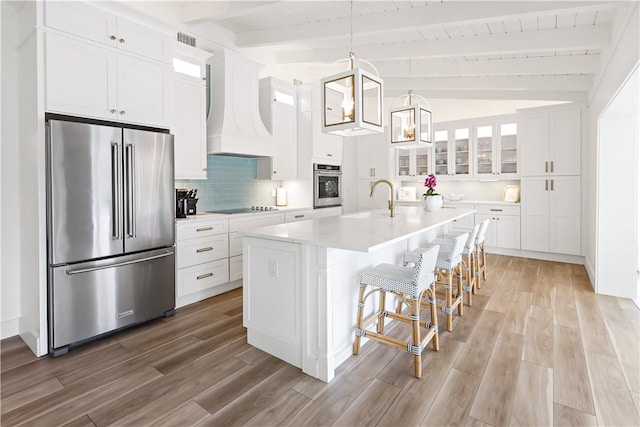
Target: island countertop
{"points": [[363, 231]]}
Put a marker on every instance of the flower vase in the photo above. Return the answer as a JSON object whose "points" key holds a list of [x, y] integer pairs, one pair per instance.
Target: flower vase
{"points": [[431, 203]]}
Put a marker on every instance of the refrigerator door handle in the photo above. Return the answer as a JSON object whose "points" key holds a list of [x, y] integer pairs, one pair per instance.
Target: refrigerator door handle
{"points": [[120, 264], [116, 183], [131, 202]]}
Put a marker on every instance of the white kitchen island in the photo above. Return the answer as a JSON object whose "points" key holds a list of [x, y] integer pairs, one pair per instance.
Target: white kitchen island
{"points": [[301, 279]]}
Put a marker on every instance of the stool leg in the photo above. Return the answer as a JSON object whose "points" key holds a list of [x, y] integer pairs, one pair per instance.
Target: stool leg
{"points": [[414, 309], [467, 268], [356, 343], [473, 271], [460, 290], [477, 266], [484, 262], [381, 308], [431, 294], [448, 301]]}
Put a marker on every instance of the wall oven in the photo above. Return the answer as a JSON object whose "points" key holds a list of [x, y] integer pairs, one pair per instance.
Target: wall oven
{"points": [[327, 186]]}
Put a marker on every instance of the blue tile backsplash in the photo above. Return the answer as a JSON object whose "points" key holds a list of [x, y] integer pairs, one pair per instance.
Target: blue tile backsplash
{"points": [[231, 183]]}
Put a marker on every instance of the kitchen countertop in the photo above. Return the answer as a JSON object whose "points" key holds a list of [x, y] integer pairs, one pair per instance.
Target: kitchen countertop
{"points": [[462, 202], [363, 231], [210, 215]]}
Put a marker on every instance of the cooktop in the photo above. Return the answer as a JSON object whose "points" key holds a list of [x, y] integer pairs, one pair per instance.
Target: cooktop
{"points": [[244, 210]]}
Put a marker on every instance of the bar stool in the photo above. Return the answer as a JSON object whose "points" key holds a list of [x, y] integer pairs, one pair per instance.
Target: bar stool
{"points": [[449, 263], [468, 260], [481, 256], [412, 285]]}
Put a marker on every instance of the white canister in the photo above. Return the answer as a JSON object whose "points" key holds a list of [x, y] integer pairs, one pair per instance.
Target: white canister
{"points": [[281, 196]]}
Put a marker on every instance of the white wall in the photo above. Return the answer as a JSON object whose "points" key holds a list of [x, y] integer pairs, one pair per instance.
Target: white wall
{"points": [[9, 171], [618, 63]]}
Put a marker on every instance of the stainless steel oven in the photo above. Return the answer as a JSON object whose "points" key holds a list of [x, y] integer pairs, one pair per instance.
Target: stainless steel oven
{"points": [[327, 185]]}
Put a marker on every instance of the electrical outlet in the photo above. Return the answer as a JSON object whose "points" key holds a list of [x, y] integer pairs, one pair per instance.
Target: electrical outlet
{"points": [[273, 268]]}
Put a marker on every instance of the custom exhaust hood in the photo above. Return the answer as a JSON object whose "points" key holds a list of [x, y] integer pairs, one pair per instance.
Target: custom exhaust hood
{"points": [[234, 125]]}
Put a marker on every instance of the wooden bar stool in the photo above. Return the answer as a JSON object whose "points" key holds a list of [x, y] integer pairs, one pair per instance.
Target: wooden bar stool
{"points": [[449, 263], [468, 261], [415, 287], [481, 256]]}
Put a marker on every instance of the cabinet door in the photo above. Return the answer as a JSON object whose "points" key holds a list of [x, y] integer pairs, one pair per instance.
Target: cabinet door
{"points": [[403, 164], [140, 40], [534, 214], [441, 153], [507, 150], [535, 146], [143, 88], [325, 146], [507, 231], [284, 165], [485, 151], [82, 20], [80, 78], [564, 147], [461, 151], [189, 128], [564, 229], [420, 161]]}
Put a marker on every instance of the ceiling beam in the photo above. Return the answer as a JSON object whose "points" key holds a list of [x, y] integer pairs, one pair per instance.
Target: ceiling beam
{"points": [[518, 95], [506, 83], [421, 16], [549, 65], [218, 10], [566, 39]]}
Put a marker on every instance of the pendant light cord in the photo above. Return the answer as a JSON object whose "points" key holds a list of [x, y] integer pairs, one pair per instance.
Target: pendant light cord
{"points": [[351, 54]]}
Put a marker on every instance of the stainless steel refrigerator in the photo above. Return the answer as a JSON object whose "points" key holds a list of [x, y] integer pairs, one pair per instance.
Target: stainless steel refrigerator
{"points": [[110, 226]]}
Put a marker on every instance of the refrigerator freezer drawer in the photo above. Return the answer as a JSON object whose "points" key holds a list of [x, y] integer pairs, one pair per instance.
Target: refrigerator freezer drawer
{"points": [[93, 298]]}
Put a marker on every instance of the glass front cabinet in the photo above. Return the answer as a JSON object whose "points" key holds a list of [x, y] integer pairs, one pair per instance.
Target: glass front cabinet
{"points": [[412, 163], [485, 148]]}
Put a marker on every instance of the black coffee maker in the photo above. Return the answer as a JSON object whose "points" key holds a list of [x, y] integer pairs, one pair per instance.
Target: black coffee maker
{"points": [[181, 202]]}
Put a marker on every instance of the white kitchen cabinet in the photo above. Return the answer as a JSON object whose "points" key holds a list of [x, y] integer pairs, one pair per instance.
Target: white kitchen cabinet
{"points": [[413, 163], [91, 23], [504, 226], [326, 147], [189, 115], [236, 225], [496, 149], [551, 214], [88, 80], [278, 112], [380, 197], [551, 143], [202, 253], [452, 152], [372, 156]]}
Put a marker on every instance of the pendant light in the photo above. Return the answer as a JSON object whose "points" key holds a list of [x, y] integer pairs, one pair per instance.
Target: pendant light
{"points": [[352, 99], [411, 125]]}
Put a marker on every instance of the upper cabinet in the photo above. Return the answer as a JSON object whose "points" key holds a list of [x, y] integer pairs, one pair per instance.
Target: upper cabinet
{"points": [[88, 80], [189, 121], [91, 23], [496, 149], [373, 154], [103, 66], [413, 163], [551, 142], [278, 112], [452, 152]]}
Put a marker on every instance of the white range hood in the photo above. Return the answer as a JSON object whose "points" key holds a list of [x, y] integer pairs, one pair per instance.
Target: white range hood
{"points": [[234, 125]]}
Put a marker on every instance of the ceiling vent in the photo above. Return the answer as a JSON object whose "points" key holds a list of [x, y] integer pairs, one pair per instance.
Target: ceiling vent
{"points": [[187, 39]]}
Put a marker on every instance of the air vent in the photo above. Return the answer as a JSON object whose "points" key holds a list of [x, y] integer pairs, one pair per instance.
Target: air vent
{"points": [[187, 39]]}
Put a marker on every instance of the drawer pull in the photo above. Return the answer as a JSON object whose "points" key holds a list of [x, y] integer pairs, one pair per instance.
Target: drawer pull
{"points": [[204, 249], [204, 229], [204, 276], [496, 210], [299, 216]]}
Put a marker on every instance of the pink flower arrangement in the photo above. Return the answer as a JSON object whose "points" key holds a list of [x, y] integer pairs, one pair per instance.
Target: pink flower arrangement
{"points": [[430, 183]]}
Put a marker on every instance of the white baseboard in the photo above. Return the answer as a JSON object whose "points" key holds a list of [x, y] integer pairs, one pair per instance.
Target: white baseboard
{"points": [[545, 256], [9, 328], [208, 293], [591, 272]]}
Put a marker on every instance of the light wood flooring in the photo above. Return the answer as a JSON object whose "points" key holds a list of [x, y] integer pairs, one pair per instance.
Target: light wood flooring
{"points": [[537, 348]]}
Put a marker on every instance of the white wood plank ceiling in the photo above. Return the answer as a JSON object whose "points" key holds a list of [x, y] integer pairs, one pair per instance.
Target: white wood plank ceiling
{"points": [[541, 50]]}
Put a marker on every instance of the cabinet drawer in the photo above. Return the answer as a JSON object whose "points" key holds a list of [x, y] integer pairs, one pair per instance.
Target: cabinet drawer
{"points": [[188, 230], [235, 268], [201, 277], [197, 251], [298, 216], [235, 243], [262, 221], [497, 210]]}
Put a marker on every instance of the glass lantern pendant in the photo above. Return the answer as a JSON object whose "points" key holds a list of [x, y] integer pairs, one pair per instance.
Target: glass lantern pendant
{"points": [[410, 126], [352, 102]]}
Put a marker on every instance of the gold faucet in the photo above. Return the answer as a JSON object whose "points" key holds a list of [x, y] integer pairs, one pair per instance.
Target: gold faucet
{"points": [[391, 205]]}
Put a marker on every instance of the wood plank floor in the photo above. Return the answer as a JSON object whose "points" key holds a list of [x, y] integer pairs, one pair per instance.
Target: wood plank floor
{"points": [[537, 348]]}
